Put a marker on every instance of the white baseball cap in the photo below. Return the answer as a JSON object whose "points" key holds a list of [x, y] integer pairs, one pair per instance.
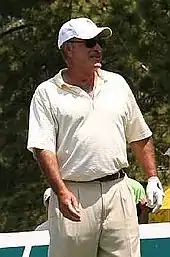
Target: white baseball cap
{"points": [[82, 28], [46, 195]]}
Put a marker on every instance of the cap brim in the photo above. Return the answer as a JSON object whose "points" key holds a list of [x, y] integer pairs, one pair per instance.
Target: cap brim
{"points": [[103, 32]]}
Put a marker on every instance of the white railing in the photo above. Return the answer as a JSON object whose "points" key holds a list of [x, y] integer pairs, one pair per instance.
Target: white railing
{"points": [[29, 240]]}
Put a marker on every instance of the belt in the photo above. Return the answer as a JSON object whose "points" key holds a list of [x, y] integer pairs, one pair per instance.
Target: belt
{"points": [[117, 175]]}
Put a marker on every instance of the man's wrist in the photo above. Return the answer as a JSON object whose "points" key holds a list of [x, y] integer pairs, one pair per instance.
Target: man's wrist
{"points": [[59, 187], [152, 174], [153, 178]]}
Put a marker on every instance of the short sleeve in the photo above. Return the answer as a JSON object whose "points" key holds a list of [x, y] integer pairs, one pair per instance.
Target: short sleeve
{"points": [[136, 127], [42, 127]]}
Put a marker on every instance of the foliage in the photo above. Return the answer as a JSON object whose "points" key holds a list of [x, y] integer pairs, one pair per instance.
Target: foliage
{"points": [[28, 55]]}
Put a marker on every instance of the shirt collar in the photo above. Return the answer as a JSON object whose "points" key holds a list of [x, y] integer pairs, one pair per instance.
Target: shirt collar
{"points": [[58, 79]]}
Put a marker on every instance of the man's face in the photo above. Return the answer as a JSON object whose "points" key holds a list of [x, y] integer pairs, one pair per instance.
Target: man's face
{"points": [[86, 53]]}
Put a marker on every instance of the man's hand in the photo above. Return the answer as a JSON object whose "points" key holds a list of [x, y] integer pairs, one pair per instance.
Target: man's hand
{"points": [[68, 205], [154, 193]]}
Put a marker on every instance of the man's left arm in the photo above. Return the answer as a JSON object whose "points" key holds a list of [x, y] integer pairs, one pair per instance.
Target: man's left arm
{"points": [[144, 152]]}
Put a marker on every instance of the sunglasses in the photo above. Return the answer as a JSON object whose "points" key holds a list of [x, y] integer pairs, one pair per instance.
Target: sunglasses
{"points": [[90, 43]]}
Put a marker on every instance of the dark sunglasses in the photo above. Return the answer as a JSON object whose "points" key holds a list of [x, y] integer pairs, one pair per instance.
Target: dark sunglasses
{"points": [[90, 43]]}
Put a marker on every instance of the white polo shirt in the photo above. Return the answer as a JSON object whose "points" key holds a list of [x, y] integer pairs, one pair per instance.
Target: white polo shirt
{"points": [[87, 134]]}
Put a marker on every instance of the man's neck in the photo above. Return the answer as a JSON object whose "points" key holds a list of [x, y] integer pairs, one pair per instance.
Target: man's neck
{"points": [[84, 80]]}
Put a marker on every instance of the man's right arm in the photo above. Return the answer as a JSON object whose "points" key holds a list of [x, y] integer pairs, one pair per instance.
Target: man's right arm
{"points": [[42, 134], [68, 204]]}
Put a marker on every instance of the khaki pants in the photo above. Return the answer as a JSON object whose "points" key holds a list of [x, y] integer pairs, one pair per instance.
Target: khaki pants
{"points": [[108, 226]]}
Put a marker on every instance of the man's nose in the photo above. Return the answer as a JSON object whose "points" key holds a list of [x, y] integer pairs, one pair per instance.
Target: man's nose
{"points": [[97, 47]]}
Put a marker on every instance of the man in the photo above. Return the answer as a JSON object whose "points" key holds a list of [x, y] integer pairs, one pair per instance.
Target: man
{"points": [[79, 123], [46, 198]]}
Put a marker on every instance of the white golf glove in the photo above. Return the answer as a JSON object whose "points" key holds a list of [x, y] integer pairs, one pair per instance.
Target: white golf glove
{"points": [[155, 194]]}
